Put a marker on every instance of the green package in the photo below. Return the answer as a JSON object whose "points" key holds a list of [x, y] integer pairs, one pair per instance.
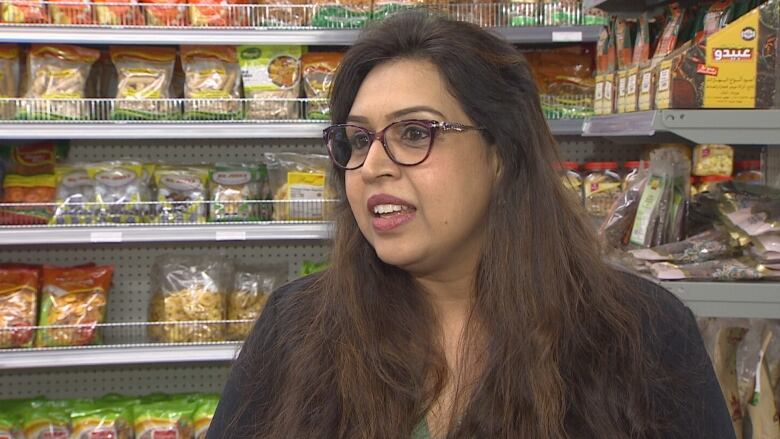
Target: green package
{"points": [[101, 419], [165, 418], [204, 414], [271, 73], [235, 190]]}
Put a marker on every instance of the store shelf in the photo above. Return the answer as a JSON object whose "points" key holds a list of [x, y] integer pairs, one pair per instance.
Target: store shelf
{"points": [[189, 130], [623, 6], [734, 127], [311, 37], [162, 233], [729, 299], [117, 355]]}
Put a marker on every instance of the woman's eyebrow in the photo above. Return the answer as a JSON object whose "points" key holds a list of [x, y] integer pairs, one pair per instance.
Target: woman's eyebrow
{"points": [[398, 114]]}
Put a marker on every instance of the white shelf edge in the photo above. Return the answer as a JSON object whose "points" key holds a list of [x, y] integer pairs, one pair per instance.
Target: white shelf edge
{"points": [[118, 355], [10, 236], [729, 299]]}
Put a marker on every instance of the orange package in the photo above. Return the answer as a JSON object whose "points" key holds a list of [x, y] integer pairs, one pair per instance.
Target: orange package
{"points": [[119, 12], [73, 296], [173, 13], [218, 12], [18, 305], [34, 190], [70, 11], [318, 70], [24, 11]]}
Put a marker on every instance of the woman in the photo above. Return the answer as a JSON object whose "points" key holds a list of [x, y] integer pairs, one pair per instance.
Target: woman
{"points": [[466, 298]]}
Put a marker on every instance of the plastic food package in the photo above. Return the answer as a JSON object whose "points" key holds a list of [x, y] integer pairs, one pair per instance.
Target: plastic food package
{"points": [[18, 305], [119, 187], [169, 13], [668, 39], [712, 244], [523, 13], [73, 296], [271, 72], [33, 159], [299, 182], [24, 11], [218, 13], [189, 289], [36, 190], [253, 286], [46, 420], [572, 179], [212, 72], [100, 420], [341, 14], [57, 72], [164, 419], [144, 75], [601, 187], [616, 229], [204, 414], [70, 11], [311, 267], [283, 13], [119, 12], [733, 269], [75, 196], [318, 70], [181, 194], [9, 78], [749, 171], [235, 190], [713, 160], [710, 182], [758, 371], [9, 425]]}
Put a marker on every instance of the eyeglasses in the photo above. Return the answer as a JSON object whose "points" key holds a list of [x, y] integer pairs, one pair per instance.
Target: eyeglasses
{"points": [[406, 142]]}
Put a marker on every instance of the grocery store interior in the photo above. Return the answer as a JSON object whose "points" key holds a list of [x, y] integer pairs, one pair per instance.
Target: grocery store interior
{"points": [[163, 170]]}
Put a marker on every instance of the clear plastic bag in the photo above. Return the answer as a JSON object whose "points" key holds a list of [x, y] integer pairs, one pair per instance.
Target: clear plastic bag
{"points": [[144, 76], [213, 80], [299, 184], [271, 72], [235, 190], [712, 244], [75, 195], [181, 194], [253, 286], [119, 190]]}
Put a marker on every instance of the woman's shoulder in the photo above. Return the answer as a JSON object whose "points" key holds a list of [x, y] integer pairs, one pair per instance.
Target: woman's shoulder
{"points": [[661, 303]]}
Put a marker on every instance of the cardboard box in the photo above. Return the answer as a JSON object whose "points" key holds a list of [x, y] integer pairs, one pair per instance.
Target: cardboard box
{"points": [[632, 90], [622, 88], [735, 67], [646, 94]]}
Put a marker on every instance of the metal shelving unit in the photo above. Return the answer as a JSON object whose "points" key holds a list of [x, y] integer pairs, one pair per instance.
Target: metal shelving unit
{"points": [[734, 127], [727, 299], [51, 235], [623, 6], [312, 37]]}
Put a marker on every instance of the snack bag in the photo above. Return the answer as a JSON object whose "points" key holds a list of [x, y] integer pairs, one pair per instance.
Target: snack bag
{"points": [[70, 11], [283, 13], [24, 11], [271, 72], [310, 267], [212, 72], [253, 286], [119, 12], [713, 160], [36, 190], [144, 77], [299, 181], [218, 13], [169, 13], [75, 203], [668, 39], [46, 420], [181, 194], [100, 420], [341, 14], [189, 289], [319, 69], [9, 425], [119, 187], [204, 414], [9, 78], [33, 159], [18, 305], [73, 296], [235, 190], [164, 419], [57, 72]]}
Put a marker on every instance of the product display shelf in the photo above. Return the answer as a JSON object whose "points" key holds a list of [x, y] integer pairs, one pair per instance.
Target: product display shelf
{"points": [[623, 6], [729, 299], [734, 127], [236, 36], [118, 355]]}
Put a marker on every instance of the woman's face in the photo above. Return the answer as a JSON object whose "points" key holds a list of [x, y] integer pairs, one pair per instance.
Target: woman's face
{"points": [[444, 200]]}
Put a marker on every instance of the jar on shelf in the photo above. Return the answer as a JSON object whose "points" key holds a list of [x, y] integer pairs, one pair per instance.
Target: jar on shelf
{"points": [[706, 183], [749, 171], [601, 186], [631, 173], [572, 179]]}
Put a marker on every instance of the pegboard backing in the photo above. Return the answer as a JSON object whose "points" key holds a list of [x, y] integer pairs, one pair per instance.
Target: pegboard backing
{"points": [[98, 381], [772, 165], [581, 150], [131, 290]]}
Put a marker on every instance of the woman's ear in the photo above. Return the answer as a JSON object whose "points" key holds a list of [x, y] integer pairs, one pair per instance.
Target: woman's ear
{"points": [[495, 163]]}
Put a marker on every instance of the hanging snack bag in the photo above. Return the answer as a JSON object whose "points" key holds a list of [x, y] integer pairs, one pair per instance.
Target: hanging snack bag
{"points": [[204, 414], [93, 419], [24, 11], [298, 182], [668, 39], [75, 202], [235, 190], [163, 419], [119, 187], [119, 12], [271, 72], [218, 13], [341, 14], [73, 296], [9, 424], [144, 77], [253, 286], [70, 11], [181, 194], [33, 159], [213, 74], [168, 13], [46, 420], [36, 191], [283, 13], [57, 72], [9, 79], [189, 289], [18, 306], [319, 69], [713, 160]]}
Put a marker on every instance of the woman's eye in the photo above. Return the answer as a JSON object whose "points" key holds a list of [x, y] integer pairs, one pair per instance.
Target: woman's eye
{"points": [[360, 141], [414, 134]]}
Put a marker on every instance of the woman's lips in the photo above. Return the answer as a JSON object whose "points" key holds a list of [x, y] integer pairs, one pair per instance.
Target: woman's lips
{"points": [[386, 223], [402, 212]]}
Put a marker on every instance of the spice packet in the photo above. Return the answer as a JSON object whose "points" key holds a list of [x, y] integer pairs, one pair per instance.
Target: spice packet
{"points": [[212, 74], [144, 76]]}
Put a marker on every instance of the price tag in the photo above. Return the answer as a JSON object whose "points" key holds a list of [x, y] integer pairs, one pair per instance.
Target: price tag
{"points": [[105, 236], [231, 236], [566, 37]]}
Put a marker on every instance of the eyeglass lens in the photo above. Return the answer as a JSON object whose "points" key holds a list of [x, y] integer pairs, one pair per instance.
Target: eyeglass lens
{"points": [[406, 142]]}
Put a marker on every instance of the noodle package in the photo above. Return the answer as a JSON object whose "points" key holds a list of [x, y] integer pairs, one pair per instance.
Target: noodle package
{"points": [[212, 73], [298, 182], [18, 305], [144, 76], [271, 72], [253, 286]]}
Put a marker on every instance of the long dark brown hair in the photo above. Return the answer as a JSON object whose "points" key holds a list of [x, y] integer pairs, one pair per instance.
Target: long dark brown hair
{"points": [[558, 333]]}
